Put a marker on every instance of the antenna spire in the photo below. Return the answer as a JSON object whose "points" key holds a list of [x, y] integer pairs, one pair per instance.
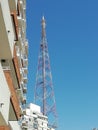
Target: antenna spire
{"points": [[43, 22]]}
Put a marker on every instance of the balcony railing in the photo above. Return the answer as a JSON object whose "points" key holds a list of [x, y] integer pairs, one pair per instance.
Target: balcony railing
{"points": [[6, 68], [19, 20], [16, 63], [23, 76], [25, 61], [24, 111], [26, 46], [23, 87], [24, 124], [24, 100], [25, 69], [19, 42], [24, 4], [21, 95]]}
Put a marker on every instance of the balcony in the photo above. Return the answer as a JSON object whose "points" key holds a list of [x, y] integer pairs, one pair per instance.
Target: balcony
{"points": [[21, 95], [14, 104], [23, 2], [23, 87], [9, 65], [17, 65], [20, 20], [19, 42], [4, 99], [22, 6], [17, 51], [6, 32], [23, 76], [24, 100], [15, 24], [25, 61], [13, 5], [26, 46], [22, 25], [24, 124], [24, 111], [25, 69]]}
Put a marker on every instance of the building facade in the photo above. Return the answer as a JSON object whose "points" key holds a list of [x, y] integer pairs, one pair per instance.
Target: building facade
{"points": [[33, 119], [13, 62]]}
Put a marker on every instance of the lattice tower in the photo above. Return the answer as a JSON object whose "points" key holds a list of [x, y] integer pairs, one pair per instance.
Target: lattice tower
{"points": [[44, 93]]}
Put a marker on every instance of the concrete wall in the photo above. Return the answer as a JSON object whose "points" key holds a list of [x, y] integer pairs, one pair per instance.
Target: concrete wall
{"points": [[4, 98], [8, 23]]}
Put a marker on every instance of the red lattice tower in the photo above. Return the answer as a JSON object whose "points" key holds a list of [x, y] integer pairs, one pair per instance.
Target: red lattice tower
{"points": [[44, 93]]}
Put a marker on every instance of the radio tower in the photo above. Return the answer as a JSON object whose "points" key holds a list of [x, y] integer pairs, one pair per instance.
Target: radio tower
{"points": [[44, 93]]}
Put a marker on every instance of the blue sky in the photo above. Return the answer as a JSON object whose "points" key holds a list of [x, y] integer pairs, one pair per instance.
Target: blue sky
{"points": [[72, 35]]}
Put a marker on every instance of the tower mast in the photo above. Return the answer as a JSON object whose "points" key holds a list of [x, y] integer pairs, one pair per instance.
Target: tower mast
{"points": [[44, 93], [43, 67]]}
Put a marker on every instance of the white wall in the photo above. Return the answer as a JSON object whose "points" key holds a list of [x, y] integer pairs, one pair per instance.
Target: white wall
{"points": [[8, 22], [14, 125], [35, 108], [4, 97]]}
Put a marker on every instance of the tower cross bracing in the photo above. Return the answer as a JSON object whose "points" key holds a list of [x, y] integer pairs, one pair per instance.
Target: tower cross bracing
{"points": [[44, 93]]}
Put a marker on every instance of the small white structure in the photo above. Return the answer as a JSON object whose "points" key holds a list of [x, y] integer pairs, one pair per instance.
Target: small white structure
{"points": [[14, 125], [34, 119]]}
